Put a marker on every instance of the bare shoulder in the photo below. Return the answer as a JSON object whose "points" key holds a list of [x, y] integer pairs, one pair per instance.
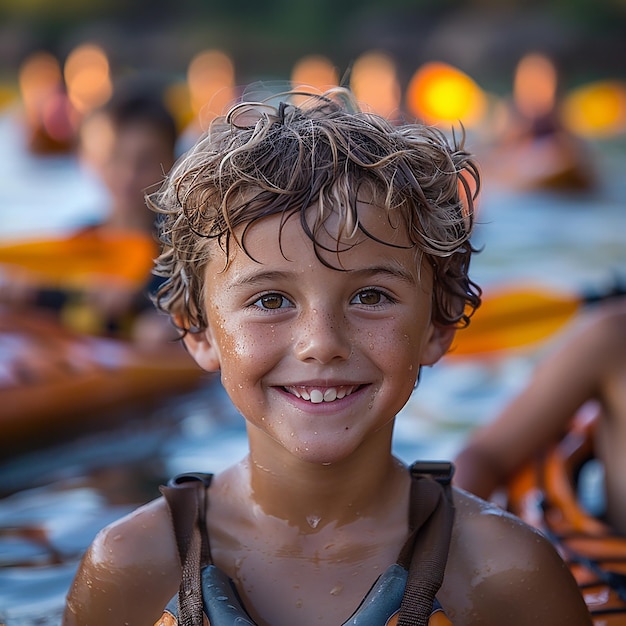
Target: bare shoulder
{"points": [[145, 535], [500, 570], [129, 572]]}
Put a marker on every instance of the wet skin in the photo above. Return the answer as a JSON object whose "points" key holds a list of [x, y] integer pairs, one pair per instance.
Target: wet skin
{"points": [[286, 331], [307, 522]]}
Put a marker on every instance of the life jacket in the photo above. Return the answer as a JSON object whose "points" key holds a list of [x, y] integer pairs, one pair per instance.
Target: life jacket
{"points": [[404, 595]]}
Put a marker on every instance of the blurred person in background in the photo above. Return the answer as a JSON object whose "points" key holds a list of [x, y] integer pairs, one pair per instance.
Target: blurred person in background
{"points": [[584, 368], [129, 145]]}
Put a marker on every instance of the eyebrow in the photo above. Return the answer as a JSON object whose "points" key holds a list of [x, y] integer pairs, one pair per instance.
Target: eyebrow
{"points": [[394, 270]]}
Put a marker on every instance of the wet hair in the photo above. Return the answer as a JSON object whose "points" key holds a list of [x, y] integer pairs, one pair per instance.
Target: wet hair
{"points": [[261, 160]]}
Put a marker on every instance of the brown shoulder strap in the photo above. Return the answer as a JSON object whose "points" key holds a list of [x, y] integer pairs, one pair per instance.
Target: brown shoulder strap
{"points": [[424, 555], [186, 499], [431, 517]]}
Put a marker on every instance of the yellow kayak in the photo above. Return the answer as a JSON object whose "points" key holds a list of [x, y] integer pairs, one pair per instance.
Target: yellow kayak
{"points": [[75, 260]]}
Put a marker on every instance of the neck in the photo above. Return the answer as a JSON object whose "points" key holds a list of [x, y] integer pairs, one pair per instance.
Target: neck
{"points": [[310, 495]]}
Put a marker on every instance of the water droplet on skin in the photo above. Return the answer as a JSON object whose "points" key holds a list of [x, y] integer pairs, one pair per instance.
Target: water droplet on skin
{"points": [[371, 346], [313, 520], [336, 590]]}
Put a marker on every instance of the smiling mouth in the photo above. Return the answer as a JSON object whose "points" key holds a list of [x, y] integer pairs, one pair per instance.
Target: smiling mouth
{"points": [[316, 395]]}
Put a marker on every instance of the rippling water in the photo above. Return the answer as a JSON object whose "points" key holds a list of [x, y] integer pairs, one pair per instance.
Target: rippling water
{"points": [[56, 499]]}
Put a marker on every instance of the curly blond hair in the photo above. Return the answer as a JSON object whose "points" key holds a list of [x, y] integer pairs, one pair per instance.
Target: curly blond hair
{"points": [[261, 160]]}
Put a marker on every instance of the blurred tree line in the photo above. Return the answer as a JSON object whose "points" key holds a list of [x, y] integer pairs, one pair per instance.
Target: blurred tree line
{"points": [[482, 36]]}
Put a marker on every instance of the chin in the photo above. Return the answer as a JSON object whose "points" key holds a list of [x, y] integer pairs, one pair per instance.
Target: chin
{"points": [[322, 453]]}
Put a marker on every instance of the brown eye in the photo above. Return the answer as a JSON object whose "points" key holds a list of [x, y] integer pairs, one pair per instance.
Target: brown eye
{"points": [[369, 298], [272, 301]]}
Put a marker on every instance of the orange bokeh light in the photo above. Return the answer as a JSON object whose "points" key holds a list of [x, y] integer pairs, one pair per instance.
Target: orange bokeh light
{"points": [[374, 83], [39, 80], [87, 77], [314, 71], [439, 92], [535, 85], [211, 82]]}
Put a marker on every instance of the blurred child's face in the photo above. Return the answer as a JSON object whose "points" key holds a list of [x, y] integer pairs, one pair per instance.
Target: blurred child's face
{"points": [[319, 360], [139, 159], [129, 161]]}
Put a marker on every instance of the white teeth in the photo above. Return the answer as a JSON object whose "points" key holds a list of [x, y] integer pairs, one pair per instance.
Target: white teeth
{"points": [[330, 395], [316, 396]]}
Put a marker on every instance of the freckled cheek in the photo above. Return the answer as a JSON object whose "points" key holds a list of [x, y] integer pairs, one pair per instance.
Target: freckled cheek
{"points": [[246, 350], [398, 349]]}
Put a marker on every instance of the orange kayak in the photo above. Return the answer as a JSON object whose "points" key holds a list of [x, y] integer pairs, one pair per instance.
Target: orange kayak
{"points": [[543, 495], [82, 258], [52, 378]]}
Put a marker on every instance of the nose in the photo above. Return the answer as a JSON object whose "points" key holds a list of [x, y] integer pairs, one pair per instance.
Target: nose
{"points": [[322, 337]]}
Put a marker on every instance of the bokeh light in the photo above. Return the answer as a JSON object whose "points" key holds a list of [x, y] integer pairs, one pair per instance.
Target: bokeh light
{"points": [[211, 83], [535, 86], [439, 93], [49, 116], [596, 110], [87, 77], [374, 82], [314, 71]]}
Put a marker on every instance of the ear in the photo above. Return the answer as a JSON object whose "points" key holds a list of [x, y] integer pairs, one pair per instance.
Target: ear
{"points": [[437, 343], [203, 349]]}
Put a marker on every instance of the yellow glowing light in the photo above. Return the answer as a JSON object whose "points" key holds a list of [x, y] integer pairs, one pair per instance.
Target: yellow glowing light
{"points": [[87, 76], [596, 110], [439, 92], [374, 83]]}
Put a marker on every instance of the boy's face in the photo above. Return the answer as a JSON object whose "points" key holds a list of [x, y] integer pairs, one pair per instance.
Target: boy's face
{"points": [[318, 359]]}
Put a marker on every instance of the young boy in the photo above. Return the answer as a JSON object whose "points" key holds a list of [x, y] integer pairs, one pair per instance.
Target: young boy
{"points": [[317, 256]]}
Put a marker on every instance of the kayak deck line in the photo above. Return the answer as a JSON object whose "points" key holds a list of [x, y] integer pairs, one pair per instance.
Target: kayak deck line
{"points": [[543, 495]]}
